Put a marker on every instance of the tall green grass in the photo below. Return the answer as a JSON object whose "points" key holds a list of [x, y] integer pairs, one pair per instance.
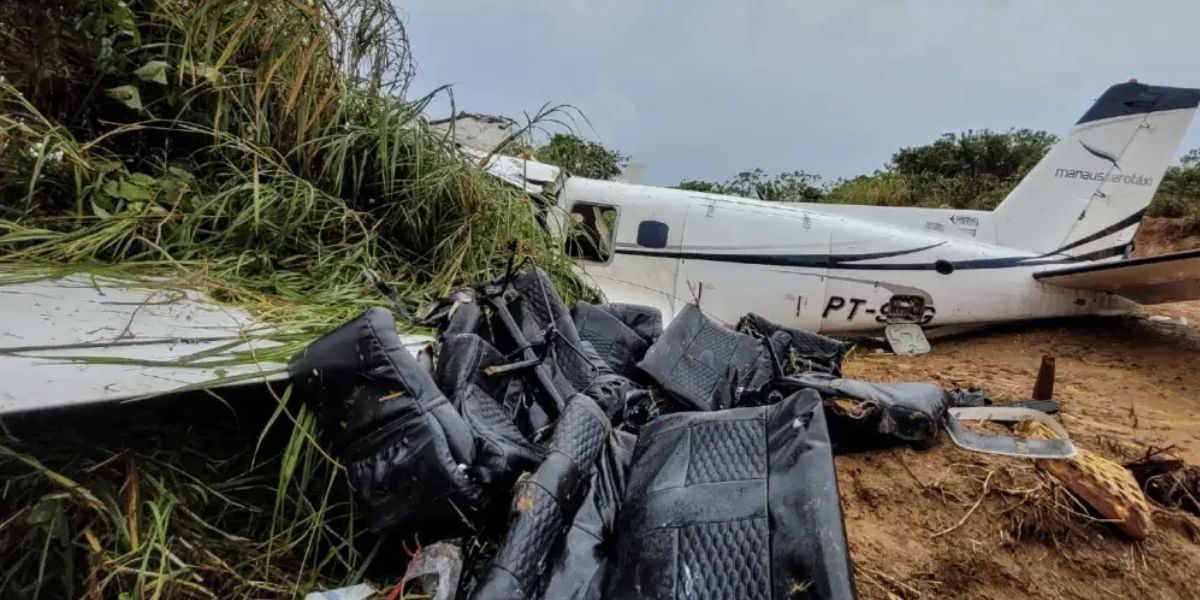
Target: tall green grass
{"points": [[263, 152], [276, 158], [154, 502]]}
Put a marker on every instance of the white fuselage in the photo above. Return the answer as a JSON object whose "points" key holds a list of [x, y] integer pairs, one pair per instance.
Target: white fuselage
{"points": [[832, 270]]}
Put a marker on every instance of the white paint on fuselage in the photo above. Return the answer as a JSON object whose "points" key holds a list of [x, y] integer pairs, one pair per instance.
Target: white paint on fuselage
{"points": [[726, 287]]}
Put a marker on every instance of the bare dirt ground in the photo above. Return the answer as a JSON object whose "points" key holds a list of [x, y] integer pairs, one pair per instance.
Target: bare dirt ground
{"points": [[948, 523]]}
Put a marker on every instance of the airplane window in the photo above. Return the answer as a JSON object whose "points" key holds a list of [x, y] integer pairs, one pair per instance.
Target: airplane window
{"points": [[592, 233], [652, 234]]}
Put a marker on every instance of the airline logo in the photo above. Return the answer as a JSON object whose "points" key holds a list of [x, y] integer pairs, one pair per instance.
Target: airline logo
{"points": [[1139, 180]]}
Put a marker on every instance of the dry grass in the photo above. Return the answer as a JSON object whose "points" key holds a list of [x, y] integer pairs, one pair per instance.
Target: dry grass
{"points": [[1033, 505]]}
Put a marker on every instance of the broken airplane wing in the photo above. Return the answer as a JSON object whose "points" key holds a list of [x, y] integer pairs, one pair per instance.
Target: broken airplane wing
{"points": [[81, 340]]}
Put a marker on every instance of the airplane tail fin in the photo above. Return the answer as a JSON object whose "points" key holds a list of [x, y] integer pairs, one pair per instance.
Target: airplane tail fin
{"points": [[1087, 195]]}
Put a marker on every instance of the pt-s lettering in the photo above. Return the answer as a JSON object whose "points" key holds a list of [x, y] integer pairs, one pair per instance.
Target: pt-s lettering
{"points": [[837, 304], [855, 303]]}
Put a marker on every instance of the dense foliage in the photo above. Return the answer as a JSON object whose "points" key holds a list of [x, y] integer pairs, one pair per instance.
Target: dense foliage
{"points": [[1179, 193], [973, 170], [793, 186], [581, 157], [267, 141], [262, 151]]}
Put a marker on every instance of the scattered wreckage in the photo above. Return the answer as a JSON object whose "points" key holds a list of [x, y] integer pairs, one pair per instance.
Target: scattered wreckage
{"points": [[630, 461]]}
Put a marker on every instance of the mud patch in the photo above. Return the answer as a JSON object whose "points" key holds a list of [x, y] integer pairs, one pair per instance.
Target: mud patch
{"points": [[948, 523]]}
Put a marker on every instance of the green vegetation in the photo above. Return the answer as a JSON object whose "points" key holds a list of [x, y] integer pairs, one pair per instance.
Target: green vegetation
{"points": [[262, 151], [264, 145], [1179, 193], [795, 186], [581, 157], [972, 170], [975, 169], [183, 502]]}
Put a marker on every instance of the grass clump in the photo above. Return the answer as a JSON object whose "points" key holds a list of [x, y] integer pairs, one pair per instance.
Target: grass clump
{"points": [[171, 502], [264, 145], [263, 152]]}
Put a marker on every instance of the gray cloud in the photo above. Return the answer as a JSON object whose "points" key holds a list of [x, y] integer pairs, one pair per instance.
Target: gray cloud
{"points": [[702, 89]]}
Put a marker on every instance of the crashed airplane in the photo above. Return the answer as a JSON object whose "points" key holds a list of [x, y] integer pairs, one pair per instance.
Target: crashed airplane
{"points": [[1058, 245], [637, 460]]}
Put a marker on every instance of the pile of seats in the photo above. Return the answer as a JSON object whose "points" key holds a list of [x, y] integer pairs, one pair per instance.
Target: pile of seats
{"points": [[624, 461]]}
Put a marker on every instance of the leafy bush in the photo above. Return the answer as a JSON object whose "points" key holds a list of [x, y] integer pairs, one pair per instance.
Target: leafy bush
{"points": [[1179, 193], [793, 186], [879, 189], [975, 154], [974, 170], [581, 157]]}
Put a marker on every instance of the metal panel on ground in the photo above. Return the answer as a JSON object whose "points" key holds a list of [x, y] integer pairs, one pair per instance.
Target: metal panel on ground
{"points": [[80, 340]]}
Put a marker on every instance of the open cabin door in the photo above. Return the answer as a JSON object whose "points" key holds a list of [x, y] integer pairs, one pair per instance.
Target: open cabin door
{"points": [[628, 246]]}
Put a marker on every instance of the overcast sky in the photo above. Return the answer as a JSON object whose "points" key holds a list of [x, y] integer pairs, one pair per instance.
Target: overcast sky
{"points": [[700, 89]]}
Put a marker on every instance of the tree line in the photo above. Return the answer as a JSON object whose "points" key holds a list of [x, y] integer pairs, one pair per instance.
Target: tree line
{"points": [[969, 170]]}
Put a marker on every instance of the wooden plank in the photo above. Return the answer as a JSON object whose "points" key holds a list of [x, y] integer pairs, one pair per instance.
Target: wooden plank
{"points": [[1105, 485]]}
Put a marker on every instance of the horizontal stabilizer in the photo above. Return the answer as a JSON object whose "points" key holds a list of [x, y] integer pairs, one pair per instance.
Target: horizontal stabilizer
{"points": [[1151, 280]]}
